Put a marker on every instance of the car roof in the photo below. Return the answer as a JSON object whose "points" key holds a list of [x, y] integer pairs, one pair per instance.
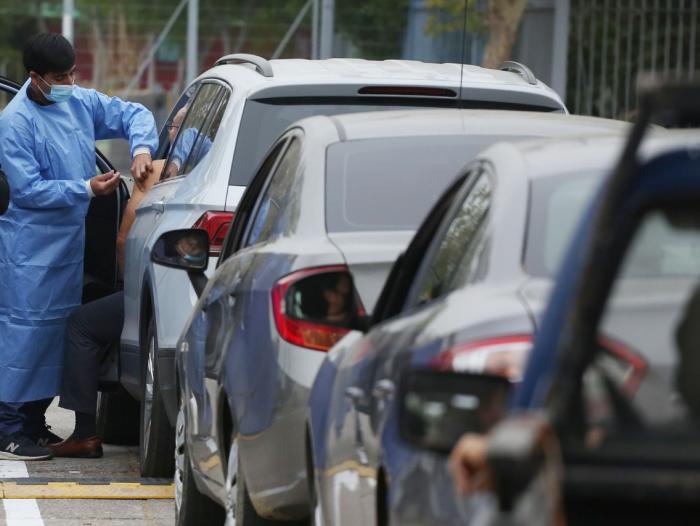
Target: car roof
{"points": [[477, 82], [547, 157], [433, 122]]}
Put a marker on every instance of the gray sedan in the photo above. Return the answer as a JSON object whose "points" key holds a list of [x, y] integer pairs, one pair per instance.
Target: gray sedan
{"points": [[333, 204]]}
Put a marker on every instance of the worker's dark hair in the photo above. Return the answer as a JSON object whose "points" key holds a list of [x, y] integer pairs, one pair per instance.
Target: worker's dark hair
{"points": [[48, 53]]}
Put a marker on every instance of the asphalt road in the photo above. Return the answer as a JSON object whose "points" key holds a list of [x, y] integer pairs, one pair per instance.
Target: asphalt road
{"points": [[63, 492]]}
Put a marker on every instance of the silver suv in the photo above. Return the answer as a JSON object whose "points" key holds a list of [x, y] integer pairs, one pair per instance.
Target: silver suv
{"points": [[216, 135]]}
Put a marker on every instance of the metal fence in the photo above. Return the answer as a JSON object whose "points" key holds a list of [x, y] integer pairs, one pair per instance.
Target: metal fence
{"points": [[612, 41]]}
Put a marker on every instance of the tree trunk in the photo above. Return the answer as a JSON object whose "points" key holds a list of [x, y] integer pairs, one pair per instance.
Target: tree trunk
{"points": [[503, 20]]}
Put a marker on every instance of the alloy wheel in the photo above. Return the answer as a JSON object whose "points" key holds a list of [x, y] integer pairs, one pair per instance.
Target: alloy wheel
{"points": [[231, 486], [148, 394], [179, 457]]}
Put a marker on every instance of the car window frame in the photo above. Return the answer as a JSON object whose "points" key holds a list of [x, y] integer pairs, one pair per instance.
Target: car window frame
{"points": [[247, 206], [225, 90], [392, 298], [481, 168], [164, 146], [291, 135]]}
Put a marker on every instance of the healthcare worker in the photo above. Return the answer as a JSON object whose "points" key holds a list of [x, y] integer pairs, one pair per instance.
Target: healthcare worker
{"points": [[47, 151]]}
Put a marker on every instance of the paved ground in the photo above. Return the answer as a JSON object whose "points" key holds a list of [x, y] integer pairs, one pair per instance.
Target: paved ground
{"points": [[118, 464]]}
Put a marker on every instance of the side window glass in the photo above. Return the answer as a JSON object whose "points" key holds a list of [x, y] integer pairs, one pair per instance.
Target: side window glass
{"points": [[206, 138], [172, 125], [191, 124], [643, 379], [460, 255], [279, 206], [248, 201]]}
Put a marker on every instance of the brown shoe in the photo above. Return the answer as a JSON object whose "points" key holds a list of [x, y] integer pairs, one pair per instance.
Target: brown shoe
{"points": [[90, 447]]}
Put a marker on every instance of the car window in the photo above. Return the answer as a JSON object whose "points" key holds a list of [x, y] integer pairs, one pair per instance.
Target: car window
{"points": [[265, 119], [196, 131], [643, 376], [246, 206], [459, 255], [556, 206], [278, 208], [172, 124], [390, 183]]}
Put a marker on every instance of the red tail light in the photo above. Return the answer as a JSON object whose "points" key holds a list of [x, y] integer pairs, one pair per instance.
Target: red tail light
{"points": [[216, 224], [295, 302], [503, 356], [507, 356], [629, 367]]}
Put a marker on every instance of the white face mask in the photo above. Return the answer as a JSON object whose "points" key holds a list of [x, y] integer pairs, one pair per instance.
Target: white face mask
{"points": [[58, 92]]}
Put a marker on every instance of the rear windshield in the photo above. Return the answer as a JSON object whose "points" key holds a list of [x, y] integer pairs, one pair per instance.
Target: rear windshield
{"points": [[391, 183], [264, 121], [556, 206]]}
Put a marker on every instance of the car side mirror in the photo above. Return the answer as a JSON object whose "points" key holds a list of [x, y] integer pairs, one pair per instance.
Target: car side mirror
{"points": [[186, 249], [4, 193], [516, 453], [436, 408]]}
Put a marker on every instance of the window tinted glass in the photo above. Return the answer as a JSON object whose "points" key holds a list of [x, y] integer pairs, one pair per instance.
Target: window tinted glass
{"points": [[172, 125], [195, 135], [265, 120], [247, 204], [556, 207], [390, 184], [461, 255], [278, 208]]}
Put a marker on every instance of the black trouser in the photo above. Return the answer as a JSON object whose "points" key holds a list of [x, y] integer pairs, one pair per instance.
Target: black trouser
{"points": [[27, 418], [92, 329]]}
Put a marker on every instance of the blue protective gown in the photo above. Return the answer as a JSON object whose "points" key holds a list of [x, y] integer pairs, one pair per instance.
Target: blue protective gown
{"points": [[48, 152]]}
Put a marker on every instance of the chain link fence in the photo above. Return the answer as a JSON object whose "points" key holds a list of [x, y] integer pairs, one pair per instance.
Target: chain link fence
{"points": [[612, 41]]}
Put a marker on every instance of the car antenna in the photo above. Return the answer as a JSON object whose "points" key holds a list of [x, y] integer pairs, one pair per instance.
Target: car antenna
{"points": [[464, 52]]}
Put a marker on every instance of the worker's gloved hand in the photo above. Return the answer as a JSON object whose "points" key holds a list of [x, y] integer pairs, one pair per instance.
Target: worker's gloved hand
{"points": [[141, 167], [105, 184]]}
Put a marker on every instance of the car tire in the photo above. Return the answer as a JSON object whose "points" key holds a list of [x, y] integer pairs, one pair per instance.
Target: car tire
{"points": [[192, 508], [156, 436], [117, 418]]}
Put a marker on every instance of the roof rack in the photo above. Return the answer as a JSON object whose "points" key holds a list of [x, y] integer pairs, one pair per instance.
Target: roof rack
{"points": [[262, 66], [520, 69]]}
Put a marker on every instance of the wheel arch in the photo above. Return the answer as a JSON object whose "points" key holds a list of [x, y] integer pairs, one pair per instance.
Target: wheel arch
{"points": [[146, 306]]}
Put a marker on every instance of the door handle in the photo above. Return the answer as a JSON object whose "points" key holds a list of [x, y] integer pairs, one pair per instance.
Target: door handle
{"points": [[158, 206], [383, 389], [354, 394]]}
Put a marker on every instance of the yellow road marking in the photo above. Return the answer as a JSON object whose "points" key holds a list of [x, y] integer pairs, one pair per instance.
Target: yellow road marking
{"points": [[74, 490], [351, 465]]}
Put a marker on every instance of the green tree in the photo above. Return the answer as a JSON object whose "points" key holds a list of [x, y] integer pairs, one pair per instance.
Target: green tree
{"points": [[499, 21]]}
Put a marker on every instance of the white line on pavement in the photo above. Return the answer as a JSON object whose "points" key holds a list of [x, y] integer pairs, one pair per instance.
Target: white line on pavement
{"points": [[22, 512], [19, 512], [13, 469]]}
